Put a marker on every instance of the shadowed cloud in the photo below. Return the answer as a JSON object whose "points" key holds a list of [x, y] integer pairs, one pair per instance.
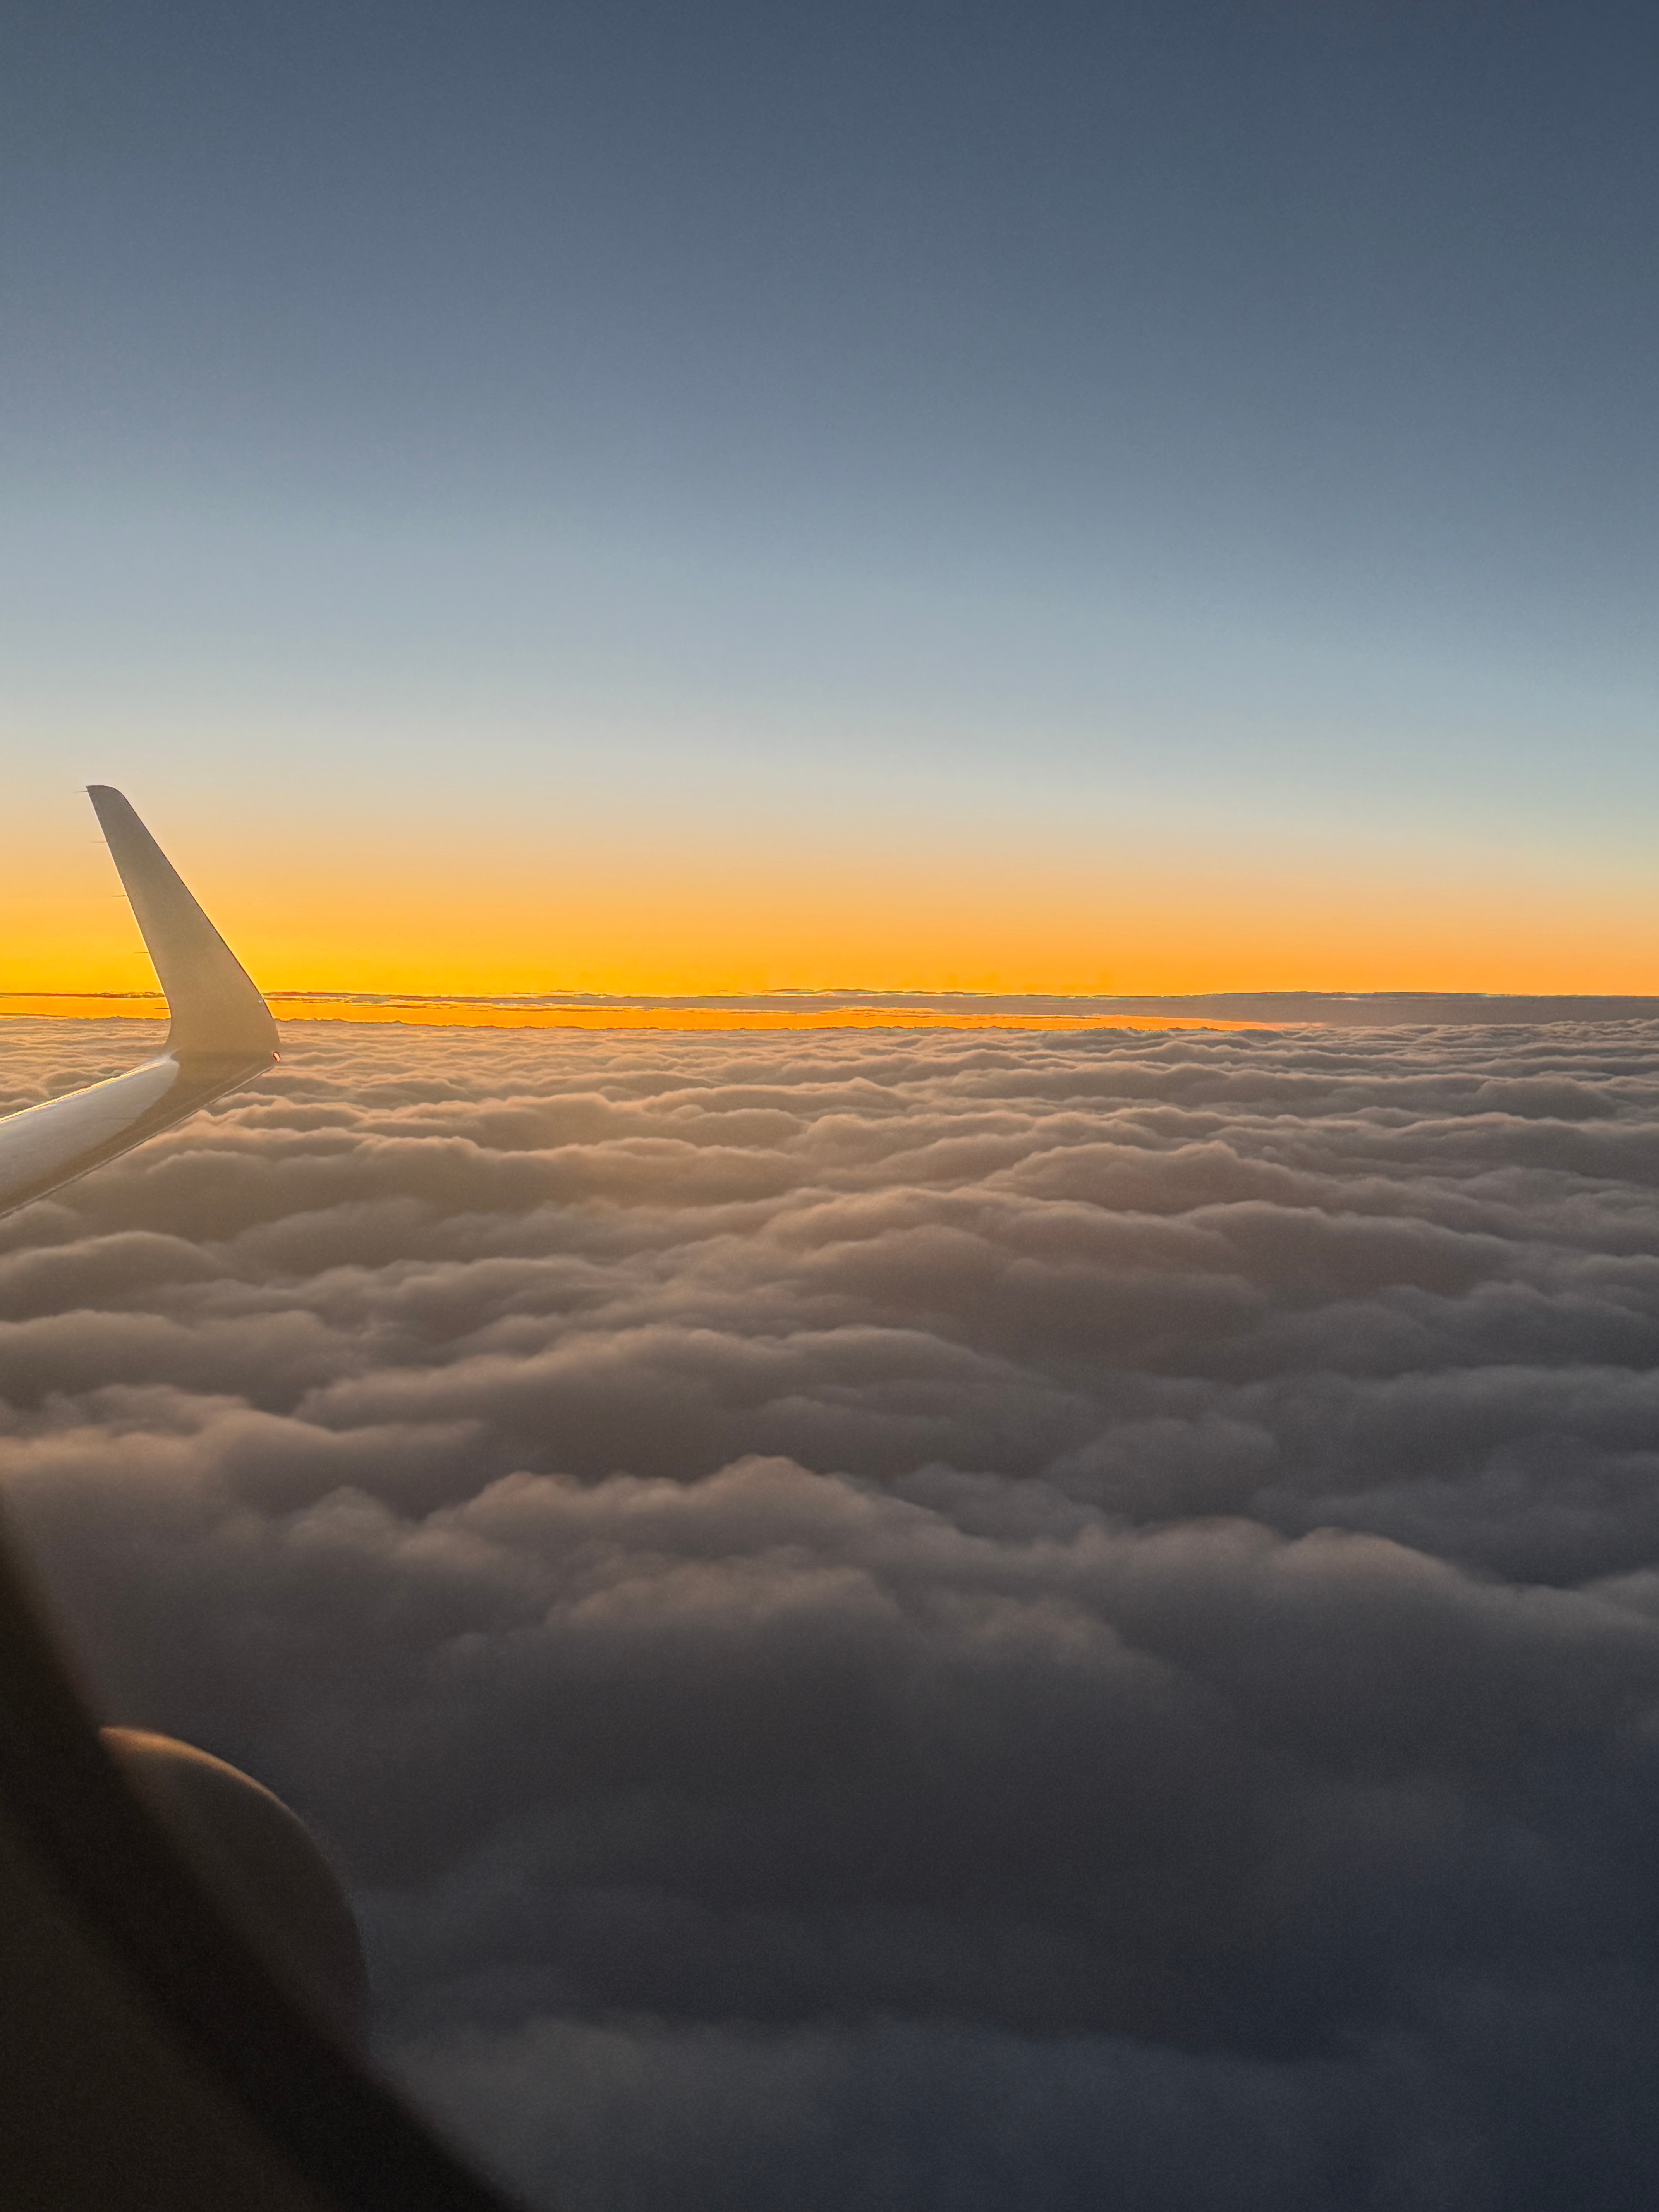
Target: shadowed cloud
{"points": [[977, 1621]]}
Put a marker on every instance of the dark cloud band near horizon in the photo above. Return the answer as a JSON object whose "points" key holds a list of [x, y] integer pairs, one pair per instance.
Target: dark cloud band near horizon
{"points": [[1015, 1620]]}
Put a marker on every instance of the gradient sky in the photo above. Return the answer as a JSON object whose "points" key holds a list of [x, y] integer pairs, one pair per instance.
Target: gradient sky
{"points": [[633, 496]]}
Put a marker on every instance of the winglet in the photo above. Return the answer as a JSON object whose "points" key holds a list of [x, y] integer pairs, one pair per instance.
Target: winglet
{"points": [[217, 1012]]}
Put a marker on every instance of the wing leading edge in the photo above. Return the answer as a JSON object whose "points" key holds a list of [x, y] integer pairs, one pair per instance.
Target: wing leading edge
{"points": [[220, 1034]]}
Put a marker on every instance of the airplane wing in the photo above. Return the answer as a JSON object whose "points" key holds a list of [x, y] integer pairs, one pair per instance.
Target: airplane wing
{"points": [[221, 1031], [151, 2061]]}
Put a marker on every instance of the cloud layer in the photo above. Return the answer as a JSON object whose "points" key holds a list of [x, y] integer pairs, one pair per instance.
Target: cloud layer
{"points": [[958, 1621]]}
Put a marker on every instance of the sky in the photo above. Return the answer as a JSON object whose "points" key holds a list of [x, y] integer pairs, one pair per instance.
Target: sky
{"points": [[629, 497], [991, 1622]]}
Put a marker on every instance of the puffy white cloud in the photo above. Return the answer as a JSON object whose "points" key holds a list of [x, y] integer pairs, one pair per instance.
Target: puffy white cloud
{"points": [[1075, 1613]]}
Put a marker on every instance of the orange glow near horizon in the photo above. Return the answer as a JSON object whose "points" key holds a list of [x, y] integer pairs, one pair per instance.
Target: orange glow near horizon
{"points": [[446, 1014], [730, 917]]}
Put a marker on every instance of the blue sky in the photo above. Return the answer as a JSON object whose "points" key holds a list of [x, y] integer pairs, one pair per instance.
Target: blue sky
{"points": [[1216, 423]]}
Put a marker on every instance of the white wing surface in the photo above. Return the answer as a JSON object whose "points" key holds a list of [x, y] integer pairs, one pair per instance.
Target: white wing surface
{"points": [[222, 1031]]}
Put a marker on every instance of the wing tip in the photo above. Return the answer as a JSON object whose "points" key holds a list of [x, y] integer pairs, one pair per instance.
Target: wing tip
{"points": [[218, 1011]]}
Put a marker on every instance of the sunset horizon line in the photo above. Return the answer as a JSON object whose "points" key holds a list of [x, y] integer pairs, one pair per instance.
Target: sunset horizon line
{"points": [[853, 1006]]}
